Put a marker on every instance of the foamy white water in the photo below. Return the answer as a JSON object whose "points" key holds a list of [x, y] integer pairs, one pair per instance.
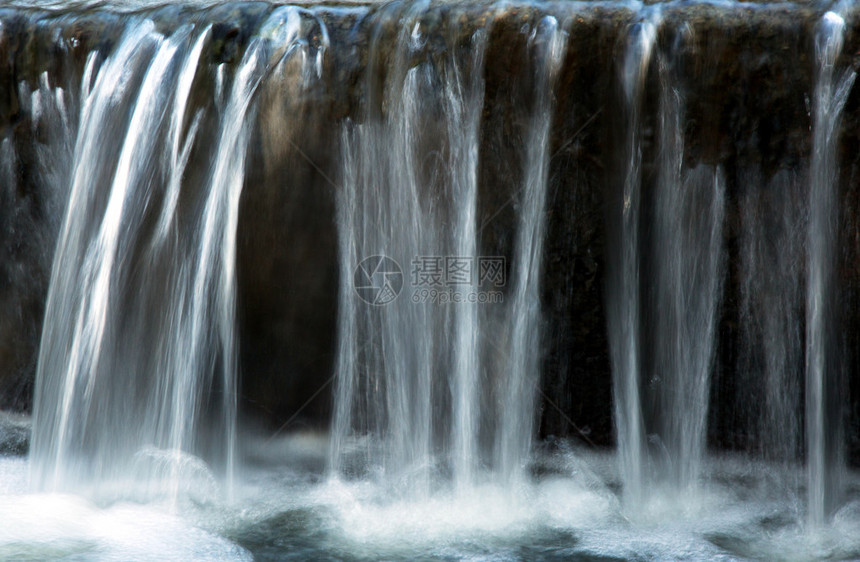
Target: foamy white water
{"points": [[282, 510]]}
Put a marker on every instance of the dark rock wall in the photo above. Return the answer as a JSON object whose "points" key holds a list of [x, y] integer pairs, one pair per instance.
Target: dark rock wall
{"points": [[747, 75]]}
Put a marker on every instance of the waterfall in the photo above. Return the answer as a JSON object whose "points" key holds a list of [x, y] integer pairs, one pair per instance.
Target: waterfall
{"points": [[624, 276], [662, 396], [392, 207], [517, 413], [138, 361], [80, 293], [411, 396], [688, 259], [823, 366], [464, 96], [443, 278]]}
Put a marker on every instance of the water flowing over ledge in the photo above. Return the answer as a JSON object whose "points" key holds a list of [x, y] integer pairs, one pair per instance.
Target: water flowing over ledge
{"points": [[306, 276]]}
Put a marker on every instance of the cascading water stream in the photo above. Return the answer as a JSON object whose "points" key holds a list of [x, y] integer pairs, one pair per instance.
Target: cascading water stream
{"points": [[661, 397], [624, 300], [86, 255], [823, 365], [688, 259], [399, 359], [518, 410], [387, 350], [138, 368], [464, 96]]}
